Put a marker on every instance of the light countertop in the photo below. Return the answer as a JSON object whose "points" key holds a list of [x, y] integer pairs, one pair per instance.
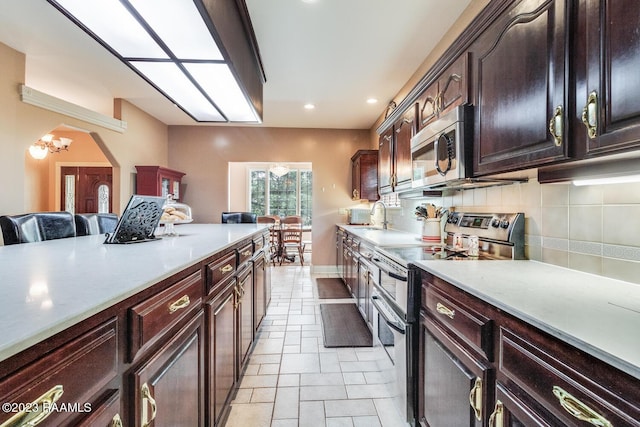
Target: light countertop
{"points": [[46, 287], [596, 314]]}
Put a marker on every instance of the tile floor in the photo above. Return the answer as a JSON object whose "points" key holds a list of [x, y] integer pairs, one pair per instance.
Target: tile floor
{"points": [[293, 380]]}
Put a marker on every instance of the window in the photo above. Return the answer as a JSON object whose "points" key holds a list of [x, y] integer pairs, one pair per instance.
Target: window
{"points": [[285, 195]]}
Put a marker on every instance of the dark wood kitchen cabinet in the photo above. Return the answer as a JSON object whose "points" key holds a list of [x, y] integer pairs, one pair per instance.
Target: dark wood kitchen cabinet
{"points": [[80, 372], [260, 278], [521, 87], [394, 153], [364, 175], [607, 87], [455, 376], [244, 293], [474, 356], [158, 181], [176, 368], [447, 92], [221, 321]]}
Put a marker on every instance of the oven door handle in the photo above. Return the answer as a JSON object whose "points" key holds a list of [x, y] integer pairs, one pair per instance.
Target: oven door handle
{"points": [[396, 324], [388, 272]]}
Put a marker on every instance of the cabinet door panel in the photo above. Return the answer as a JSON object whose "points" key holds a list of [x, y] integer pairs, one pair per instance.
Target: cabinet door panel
{"points": [[385, 153], [519, 68], [245, 315], [176, 370], [612, 46], [259, 287], [222, 354], [404, 129]]}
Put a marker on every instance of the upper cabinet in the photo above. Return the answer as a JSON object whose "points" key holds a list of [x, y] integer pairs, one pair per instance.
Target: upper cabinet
{"points": [[521, 88], [364, 175], [450, 90], [394, 153], [608, 58]]}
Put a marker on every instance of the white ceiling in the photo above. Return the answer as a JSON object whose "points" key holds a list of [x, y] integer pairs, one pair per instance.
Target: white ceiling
{"points": [[332, 53]]}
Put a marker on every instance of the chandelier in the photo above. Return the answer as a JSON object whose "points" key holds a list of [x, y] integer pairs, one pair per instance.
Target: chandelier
{"points": [[48, 144], [279, 170]]}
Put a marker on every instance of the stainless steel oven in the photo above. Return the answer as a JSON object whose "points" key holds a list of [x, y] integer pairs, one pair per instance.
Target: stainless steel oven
{"points": [[394, 330]]}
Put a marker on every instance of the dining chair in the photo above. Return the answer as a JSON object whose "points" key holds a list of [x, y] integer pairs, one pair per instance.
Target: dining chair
{"points": [[36, 227], [292, 221], [291, 239], [95, 223], [266, 220]]}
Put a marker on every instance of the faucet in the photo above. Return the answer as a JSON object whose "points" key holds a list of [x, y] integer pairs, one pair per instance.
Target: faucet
{"points": [[384, 210]]}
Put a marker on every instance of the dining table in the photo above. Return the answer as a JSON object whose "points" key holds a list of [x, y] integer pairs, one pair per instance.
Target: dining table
{"points": [[277, 230]]}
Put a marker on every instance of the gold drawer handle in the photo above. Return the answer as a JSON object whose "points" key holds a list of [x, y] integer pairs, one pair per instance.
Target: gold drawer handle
{"points": [[39, 409], [443, 309], [475, 398], [247, 252], [179, 304], [227, 268], [579, 410], [496, 418], [116, 421], [146, 397]]}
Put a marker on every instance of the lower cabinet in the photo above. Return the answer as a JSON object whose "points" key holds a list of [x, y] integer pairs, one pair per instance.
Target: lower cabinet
{"points": [[259, 289], [481, 366], [244, 315], [221, 315], [455, 385], [61, 387], [168, 388], [106, 412]]}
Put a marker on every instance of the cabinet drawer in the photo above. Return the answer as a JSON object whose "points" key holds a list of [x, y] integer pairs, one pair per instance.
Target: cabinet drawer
{"points": [[71, 375], [157, 314], [258, 243], [472, 327], [245, 253], [220, 269], [105, 413], [539, 365]]}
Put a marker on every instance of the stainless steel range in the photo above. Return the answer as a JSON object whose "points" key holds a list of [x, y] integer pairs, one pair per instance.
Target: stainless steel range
{"points": [[396, 287]]}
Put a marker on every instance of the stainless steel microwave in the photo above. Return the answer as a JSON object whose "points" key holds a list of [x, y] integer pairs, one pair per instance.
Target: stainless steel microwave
{"points": [[442, 152]]}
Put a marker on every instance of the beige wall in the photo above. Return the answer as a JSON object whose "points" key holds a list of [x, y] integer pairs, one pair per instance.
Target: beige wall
{"points": [[143, 142], [204, 152]]}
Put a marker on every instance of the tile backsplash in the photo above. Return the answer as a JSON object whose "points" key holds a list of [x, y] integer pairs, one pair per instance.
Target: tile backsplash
{"points": [[595, 229]]}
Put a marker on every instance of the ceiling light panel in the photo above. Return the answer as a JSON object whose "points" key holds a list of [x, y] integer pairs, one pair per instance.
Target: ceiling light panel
{"points": [[217, 80], [180, 26], [169, 43], [176, 85], [110, 21]]}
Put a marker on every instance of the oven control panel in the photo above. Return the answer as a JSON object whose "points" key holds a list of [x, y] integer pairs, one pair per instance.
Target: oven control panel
{"points": [[502, 227]]}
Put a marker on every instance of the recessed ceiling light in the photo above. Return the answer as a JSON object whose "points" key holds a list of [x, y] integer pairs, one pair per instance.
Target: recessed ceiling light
{"points": [[309, 106], [372, 101]]}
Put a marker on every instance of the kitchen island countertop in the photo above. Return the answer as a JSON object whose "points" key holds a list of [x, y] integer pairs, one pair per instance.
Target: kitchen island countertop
{"points": [[46, 287]]}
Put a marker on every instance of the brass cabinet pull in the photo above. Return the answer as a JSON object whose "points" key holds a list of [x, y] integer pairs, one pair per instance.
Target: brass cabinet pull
{"points": [[579, 410], [555, 126], [590, 115], [227, 268], [37, 411], [475, 398], [496, 418], [247, 252], [356, 194], [146, 397], [183, 302], [116, 421], [443, 309]]}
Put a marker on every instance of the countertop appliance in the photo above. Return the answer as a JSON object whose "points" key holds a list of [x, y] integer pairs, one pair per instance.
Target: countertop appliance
{"points": [[442, 154], [359, 217], [396, 287]]}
